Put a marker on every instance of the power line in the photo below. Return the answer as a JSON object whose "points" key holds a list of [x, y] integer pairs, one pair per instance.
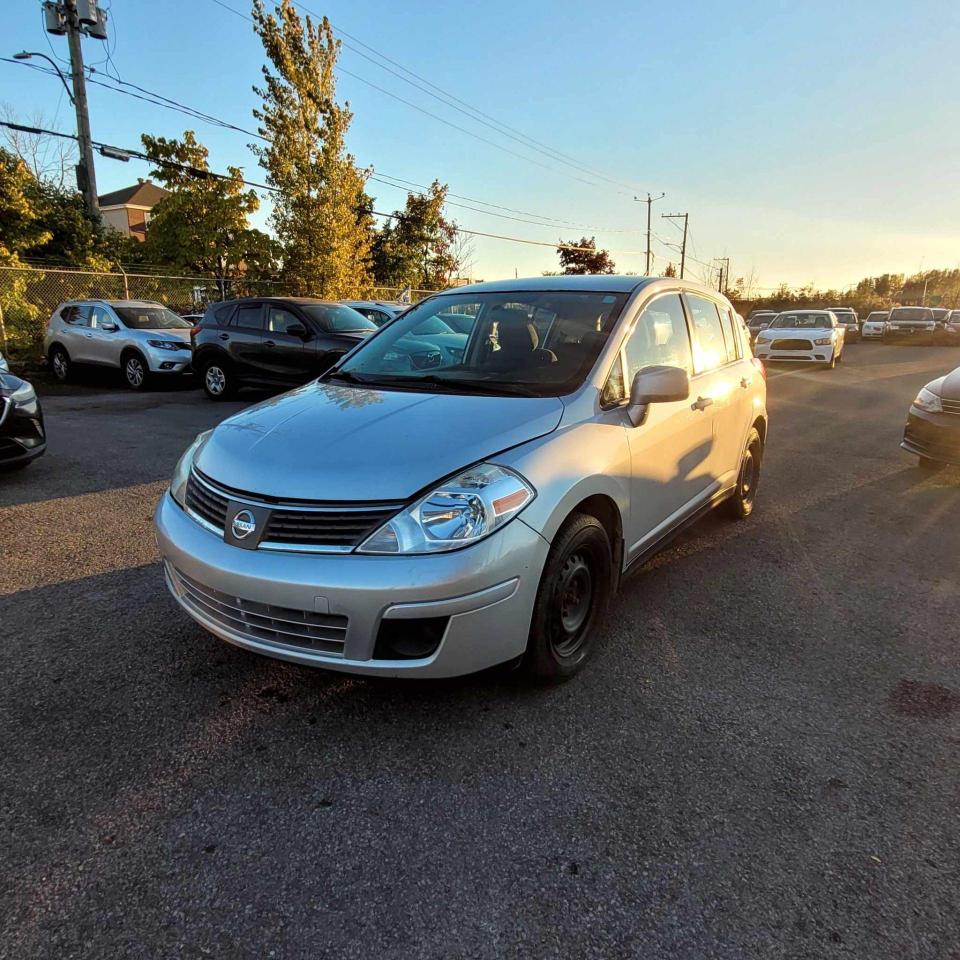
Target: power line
{"points": [[117, 153], [160, 100], [446, 98]]}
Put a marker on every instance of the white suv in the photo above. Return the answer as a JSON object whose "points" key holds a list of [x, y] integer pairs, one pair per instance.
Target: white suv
{"points": [[141, 338]]}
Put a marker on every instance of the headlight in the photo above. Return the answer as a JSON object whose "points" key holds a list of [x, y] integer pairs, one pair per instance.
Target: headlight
{"points": [[166, 344], [181, 473], [823, 341], [763, 338], [460, 511], [21, 392], [929, 401]]}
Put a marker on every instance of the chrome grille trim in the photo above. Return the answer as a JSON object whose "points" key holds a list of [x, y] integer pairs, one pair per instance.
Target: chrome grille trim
{"points": [[950, 406], [292, 527], [264, 622]]}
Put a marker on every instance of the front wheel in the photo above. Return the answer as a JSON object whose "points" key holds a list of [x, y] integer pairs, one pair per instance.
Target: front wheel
{"points": [[60, 364], [573, 595], [135, 371], [740, 504], [218, 380]]}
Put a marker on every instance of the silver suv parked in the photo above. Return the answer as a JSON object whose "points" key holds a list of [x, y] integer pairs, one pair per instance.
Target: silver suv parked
{"points": [[141, 338], [387, 519]]}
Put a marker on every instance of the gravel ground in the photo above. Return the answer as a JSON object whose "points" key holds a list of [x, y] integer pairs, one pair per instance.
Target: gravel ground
{"points": [[762, 762]]}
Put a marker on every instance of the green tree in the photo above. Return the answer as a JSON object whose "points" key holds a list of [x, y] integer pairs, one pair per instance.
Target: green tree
{"points": [[418, 246], [671, 270], [203, 226], [322, 213], [586, 259]]}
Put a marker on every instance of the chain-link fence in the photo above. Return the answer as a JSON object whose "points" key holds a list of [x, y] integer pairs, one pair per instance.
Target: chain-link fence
{"points": [[31, 294]]}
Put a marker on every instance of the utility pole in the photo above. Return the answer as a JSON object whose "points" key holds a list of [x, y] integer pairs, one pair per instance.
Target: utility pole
{"points": [[649, 202], [86, 174], [724, 277], [76, 19], [683, 246]]}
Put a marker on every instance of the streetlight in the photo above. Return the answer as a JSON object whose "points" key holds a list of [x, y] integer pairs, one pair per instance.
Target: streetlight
{"points": [[26, 55]]}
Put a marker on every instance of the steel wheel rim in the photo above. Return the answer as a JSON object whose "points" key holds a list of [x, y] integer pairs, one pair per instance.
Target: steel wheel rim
{"points": [[215, 380], [574, 603]]}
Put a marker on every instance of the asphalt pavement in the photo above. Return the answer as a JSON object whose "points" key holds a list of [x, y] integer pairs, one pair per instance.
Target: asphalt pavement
{"points": [[761, 762]]}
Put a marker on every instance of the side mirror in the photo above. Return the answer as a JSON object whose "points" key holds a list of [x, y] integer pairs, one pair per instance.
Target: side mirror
{"points": [[656, 385], [297, 330], [109, 326]]}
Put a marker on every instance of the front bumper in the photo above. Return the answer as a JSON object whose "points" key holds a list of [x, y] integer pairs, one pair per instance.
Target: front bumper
{"points": [[935, 436], [814, 355], [872, 333], [168, 361], [484, 595], [910, 333], [22, 433]]}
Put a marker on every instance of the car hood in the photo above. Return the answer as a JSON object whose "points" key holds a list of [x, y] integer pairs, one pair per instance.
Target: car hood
{"points": [[177, 333], [948, 387], [327, 441], [779, 332]]}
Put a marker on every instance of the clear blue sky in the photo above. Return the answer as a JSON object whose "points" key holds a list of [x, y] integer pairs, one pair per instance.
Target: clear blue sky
{"points": [[809, 142]]}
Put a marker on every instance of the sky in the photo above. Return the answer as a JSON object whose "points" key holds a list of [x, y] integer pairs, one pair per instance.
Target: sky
{"points": [[809, 143]]}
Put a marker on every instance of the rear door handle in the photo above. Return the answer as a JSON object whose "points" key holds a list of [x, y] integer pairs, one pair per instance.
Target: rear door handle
{"points": [[745, 382], [701, 403], [269, 343], [224, 336]]}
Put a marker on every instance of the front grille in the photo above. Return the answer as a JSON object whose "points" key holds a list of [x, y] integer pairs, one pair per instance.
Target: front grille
{"points": [[791, 345], [335, 525], [287, 626], [950, 406], [938, 442]]}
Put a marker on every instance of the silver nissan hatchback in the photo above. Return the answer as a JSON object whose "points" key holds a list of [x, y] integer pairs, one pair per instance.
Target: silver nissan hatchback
{"points": [[431, 519]]}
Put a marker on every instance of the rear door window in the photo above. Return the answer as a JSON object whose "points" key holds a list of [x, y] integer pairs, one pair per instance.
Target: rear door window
{"points": [[249, 316], [221, 314], [730, 334], [80, 317], [709, 347]]}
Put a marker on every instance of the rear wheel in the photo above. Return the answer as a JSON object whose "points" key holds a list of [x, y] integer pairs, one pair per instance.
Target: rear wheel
{"points": [[740, 505], [573, 594], [135, 371], [218, 380], [60, 363]]}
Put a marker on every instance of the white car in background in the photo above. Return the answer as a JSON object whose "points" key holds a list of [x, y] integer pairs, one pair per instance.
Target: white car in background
{"points": [[874, 325], [378, 311], [4, 366], [808, 336]]}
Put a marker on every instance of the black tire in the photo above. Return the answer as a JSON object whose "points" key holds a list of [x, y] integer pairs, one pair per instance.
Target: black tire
{"points": [[218, 379], [60, 364], [573, 595], [741, 503], [136, 372], [929, 466]]}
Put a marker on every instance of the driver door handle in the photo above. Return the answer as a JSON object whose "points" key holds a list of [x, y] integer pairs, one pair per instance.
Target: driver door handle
{"points": [[701, 403], [269, 343], [745, 382], [224, 336]]}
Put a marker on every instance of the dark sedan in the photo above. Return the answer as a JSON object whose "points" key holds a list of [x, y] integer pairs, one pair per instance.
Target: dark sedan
{"points": [[272, 342], [22, 434], [933, 423]]}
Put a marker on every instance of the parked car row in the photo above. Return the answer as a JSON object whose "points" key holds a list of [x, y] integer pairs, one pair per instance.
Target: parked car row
{"points": [[930, 324]]}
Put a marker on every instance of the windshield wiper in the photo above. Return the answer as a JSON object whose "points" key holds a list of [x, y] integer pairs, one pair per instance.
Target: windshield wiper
{"points": [[346, 376], [447, 384]]}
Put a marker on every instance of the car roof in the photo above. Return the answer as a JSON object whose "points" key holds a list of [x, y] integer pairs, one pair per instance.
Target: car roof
{"points": [[328, 303], [115, 303], [580, 283]]}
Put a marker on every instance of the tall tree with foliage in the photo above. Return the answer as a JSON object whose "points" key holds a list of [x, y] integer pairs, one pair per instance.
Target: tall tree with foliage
{"points": [[203, 226], [586, 259], [418, 246], [322, 213]]}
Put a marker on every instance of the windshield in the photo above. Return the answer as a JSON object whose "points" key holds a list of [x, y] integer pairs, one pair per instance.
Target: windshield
{"points": [[802, 321], [151, 318], [911, 313], [337, 318], [532, 344], [877, 316], [757, 318]]}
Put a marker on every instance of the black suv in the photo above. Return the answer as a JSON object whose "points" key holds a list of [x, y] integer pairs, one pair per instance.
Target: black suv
{"points": [[271, 341]]}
